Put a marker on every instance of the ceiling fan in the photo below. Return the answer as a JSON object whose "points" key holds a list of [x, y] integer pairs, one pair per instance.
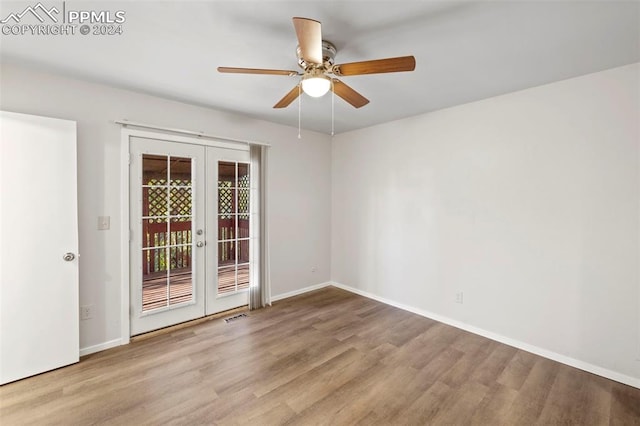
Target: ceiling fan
{"points": [[316, 58]]}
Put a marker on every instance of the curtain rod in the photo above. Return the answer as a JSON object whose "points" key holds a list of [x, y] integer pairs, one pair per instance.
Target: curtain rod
{"points": [[186, 132]]}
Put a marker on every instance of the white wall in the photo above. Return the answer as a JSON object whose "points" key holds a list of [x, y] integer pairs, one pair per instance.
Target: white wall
{"points": [[528, 203], [299, 182]]}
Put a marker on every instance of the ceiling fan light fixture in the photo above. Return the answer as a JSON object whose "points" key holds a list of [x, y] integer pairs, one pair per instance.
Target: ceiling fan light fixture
{"points": [[316, 59], [316, 85]]}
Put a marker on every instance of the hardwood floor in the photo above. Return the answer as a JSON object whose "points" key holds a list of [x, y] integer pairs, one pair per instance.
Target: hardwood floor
{"points": [[326, 357]]}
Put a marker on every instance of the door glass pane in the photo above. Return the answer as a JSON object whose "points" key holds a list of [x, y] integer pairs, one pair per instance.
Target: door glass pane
{"points": [[226, 227], [180, 275], [180, 201], [180, 228], [243, 200], [155, 282], [151, 230], [226, 200], [181, 287], [226, 253], [243, 277], [233, 224], [154, 262], [226, 174], [226, 279], [154, 169], [243, 226], [243, 251], [180, 259], [243, 175], [167, 208], [154, 201], [180, 171]]}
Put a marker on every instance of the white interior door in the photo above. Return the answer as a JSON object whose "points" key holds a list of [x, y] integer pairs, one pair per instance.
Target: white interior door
{"points": [[39, 305], [167, 217]]}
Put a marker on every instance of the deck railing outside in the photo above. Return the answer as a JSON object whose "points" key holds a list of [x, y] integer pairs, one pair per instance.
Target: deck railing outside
{"points": [[180, 242]]}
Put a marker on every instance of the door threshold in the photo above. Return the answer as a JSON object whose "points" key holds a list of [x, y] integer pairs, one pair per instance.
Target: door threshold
{"points": [[175, 327]]}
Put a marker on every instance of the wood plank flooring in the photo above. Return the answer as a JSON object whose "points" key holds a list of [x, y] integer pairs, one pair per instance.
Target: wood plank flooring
{"points": [[326, 357]]}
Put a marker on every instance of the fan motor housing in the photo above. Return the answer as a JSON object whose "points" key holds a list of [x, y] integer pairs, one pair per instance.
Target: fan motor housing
{"points": [[328, 55]]}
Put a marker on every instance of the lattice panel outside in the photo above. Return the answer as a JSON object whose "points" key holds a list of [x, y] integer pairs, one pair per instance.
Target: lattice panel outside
{"points": [[180, 201], [225, 200], [243, 194], [155, 203]]}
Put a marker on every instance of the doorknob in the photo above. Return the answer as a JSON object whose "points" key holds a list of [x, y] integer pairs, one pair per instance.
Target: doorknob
{"points": [[200, 244], [68, 257]]}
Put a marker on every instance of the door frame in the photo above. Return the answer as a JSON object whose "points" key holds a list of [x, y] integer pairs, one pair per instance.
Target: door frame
{"points": [[125, 226]]}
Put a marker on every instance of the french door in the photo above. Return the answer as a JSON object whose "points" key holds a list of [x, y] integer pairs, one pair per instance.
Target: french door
{"points": [[189, 214]]}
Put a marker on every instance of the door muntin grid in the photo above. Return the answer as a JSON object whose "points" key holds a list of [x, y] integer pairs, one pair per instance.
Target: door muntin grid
{"points": [[233, 227], [167, 245]]}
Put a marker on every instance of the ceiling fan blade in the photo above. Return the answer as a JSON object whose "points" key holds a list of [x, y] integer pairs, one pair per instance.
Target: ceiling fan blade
{"points": [[348, 94], [256, 71], [402, 63], [309, 34], [289, 97]]}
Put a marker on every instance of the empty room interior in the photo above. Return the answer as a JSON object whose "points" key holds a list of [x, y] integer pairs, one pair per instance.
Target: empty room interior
{"points": [[346, 212]]}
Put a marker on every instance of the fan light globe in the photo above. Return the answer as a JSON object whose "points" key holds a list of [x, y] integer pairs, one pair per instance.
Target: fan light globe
{"points": [[316, 86]]}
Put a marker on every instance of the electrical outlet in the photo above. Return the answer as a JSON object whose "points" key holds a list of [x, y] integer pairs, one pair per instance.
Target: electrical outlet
{"points": [[459, 297], [86, 312]]}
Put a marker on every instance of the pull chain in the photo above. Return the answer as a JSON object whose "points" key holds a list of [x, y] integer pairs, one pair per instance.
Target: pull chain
{"points": [[299, 109], [333, 100]]}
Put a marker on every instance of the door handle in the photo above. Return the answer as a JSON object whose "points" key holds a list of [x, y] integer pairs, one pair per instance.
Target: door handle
{"points": [[199, 244], [68, 257]]}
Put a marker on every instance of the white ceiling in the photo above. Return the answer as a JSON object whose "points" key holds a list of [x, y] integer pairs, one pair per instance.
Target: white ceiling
{"points": [[465, 51]]}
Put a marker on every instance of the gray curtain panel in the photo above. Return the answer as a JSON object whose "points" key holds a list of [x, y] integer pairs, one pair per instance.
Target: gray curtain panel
{"points": [[260, 287]]}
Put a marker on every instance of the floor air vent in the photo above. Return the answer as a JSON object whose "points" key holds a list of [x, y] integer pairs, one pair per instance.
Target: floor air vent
{"points": [[235, 317]]}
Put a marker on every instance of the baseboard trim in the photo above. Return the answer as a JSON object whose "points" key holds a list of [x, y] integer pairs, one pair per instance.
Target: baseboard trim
{"points": [[100, 347], [300, 291], [582, 365]]}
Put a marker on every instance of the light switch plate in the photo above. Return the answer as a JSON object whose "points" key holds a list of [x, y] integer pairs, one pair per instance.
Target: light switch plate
{"points": [[104, 223]]}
